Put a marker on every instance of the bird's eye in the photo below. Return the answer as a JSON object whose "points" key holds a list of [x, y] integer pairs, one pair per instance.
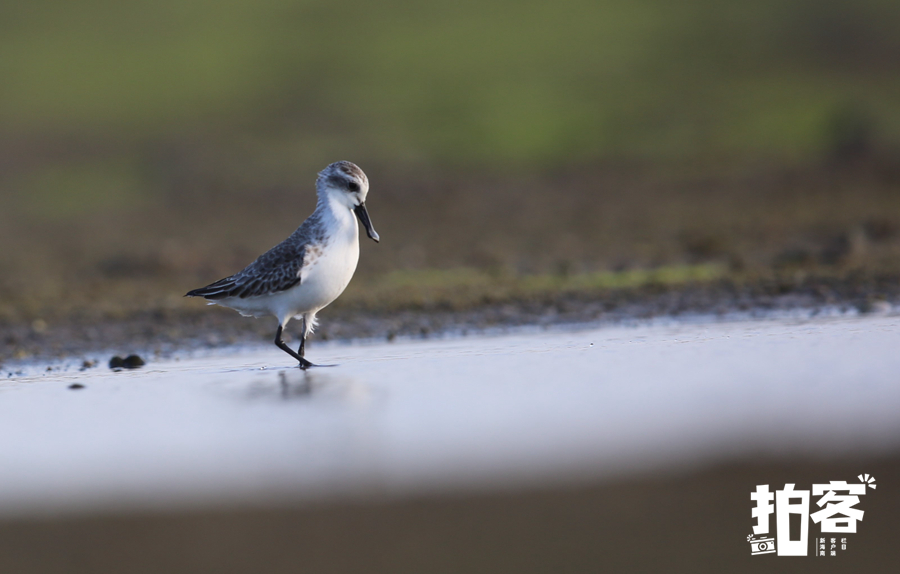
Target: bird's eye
{"points": [[353, 186]]}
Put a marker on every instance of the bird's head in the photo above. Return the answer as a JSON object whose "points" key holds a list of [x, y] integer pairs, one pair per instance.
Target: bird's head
{"points": [[344, 183]]}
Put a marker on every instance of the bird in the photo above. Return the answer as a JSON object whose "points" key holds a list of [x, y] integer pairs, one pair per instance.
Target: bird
{"points": [[307, 271]]}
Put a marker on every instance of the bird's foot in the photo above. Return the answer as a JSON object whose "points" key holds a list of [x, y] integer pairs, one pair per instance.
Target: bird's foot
{"points": [[304, 364]]}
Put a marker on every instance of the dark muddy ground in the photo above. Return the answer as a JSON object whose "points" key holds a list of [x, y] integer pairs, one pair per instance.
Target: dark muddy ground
{"points": [[463, 253], [163, 331]]}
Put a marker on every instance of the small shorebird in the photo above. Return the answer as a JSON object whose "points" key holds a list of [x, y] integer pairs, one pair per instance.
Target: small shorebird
{"points": [[309, 269]]}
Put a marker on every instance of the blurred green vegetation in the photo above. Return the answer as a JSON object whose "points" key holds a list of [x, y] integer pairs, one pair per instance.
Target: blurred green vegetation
{"points": [[518, 82], [173, 141], [464, 288]]}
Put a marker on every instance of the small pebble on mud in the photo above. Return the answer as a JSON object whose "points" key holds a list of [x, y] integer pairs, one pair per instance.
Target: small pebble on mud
{"points": [[129, 362]]}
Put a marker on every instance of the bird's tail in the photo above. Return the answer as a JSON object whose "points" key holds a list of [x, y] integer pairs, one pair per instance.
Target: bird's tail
{"points": [[218, 290]]}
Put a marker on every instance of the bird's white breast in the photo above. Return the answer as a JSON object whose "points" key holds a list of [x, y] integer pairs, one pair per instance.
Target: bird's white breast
{"points": [[330, 266]]}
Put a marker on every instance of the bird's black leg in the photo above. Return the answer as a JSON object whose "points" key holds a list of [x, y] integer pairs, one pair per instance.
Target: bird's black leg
{"points": [[302, 350], [304, 364]]}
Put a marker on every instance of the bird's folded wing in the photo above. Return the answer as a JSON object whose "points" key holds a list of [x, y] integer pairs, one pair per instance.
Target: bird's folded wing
{"points": [[275, 270]]}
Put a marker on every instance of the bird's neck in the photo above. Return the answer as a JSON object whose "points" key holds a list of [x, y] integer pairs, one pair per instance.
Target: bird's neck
{"points": [[334, 211]]}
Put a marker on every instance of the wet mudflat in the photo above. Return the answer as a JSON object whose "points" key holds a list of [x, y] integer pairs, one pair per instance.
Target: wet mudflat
{"points": [[472, 413]]}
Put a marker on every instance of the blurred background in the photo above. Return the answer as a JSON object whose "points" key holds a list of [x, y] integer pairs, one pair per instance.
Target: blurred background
{"points": [[514, 148], [519, 153]]}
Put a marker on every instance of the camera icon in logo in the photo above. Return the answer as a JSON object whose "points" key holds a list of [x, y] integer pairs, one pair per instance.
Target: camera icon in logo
{"points": [[761, 545]]}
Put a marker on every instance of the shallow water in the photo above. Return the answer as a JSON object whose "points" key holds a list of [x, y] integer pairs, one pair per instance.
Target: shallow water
{"points": [[410, 416]]}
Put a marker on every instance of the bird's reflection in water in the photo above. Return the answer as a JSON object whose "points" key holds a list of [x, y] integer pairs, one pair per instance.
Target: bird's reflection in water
{"points": [[297, 385], [302, 388]]}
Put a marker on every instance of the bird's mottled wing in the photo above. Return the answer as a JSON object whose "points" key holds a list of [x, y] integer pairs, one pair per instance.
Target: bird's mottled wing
{"points": [[275, 270]]}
